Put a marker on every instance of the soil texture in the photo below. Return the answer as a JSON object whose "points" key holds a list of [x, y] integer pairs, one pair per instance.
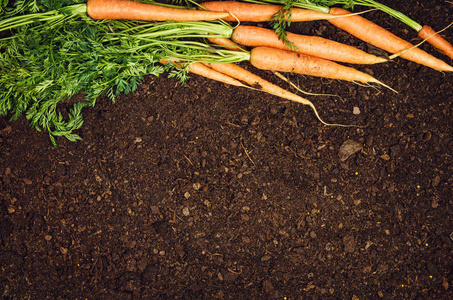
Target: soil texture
{"points": [[208, 191]]}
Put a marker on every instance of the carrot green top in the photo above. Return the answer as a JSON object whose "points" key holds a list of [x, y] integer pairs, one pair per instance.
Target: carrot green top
{"points": [[54, 54]]}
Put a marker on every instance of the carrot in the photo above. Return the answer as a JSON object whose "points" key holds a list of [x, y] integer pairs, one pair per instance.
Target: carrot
{"points": [[226, 43], [239, 11], [424, 32], [231, 74], [259, 83], [382, 38], [287, 61], [126, 9], [203, 70], [427, 33], [311, 45], [233, 46], [273, 59]]}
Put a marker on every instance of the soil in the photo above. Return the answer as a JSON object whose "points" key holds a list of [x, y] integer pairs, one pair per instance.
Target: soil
{"points": [[207, 191]]}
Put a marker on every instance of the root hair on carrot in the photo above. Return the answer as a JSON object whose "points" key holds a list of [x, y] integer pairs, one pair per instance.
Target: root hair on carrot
{"points": [[330, 124], [295, 86], [371, 85], [250, 78], [236, 18], [419, 44]]}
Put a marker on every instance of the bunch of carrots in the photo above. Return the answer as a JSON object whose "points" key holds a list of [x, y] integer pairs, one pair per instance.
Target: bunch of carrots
{"points": [[267, 47], [271, 49]]}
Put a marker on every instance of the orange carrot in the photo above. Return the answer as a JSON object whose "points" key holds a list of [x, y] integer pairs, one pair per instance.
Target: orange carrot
{"points": [[259, 83], [287, 61], [255, 81], [436, 40], [243, 12], [203, 70], [233, 46], [375, 35], [226, 43], [273, 59], [311, 45], [126, 9], [231, 74]]}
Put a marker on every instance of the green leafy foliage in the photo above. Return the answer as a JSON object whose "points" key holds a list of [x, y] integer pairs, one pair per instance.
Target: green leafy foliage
{"points": [[54, 55], [328, 3], [41, 69], [281, 20]]}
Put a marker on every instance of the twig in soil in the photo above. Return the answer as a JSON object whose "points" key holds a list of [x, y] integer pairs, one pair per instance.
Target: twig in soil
{"points": [[325, 192], [235, 272], [232, 124], [247, 153], [188, 160]]}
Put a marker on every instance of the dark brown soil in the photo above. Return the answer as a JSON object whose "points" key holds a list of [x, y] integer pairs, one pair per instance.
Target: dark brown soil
{"points": [[206, 191]]}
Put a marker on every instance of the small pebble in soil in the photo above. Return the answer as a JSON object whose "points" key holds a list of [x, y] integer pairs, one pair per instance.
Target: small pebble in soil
{"points": [[220, 276], [349, 243], [329, 246], [246, 239], [185, 211], [155, 209], [348, 148], [356, 110], [196, 186], [368, 244], [266, 258]]}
